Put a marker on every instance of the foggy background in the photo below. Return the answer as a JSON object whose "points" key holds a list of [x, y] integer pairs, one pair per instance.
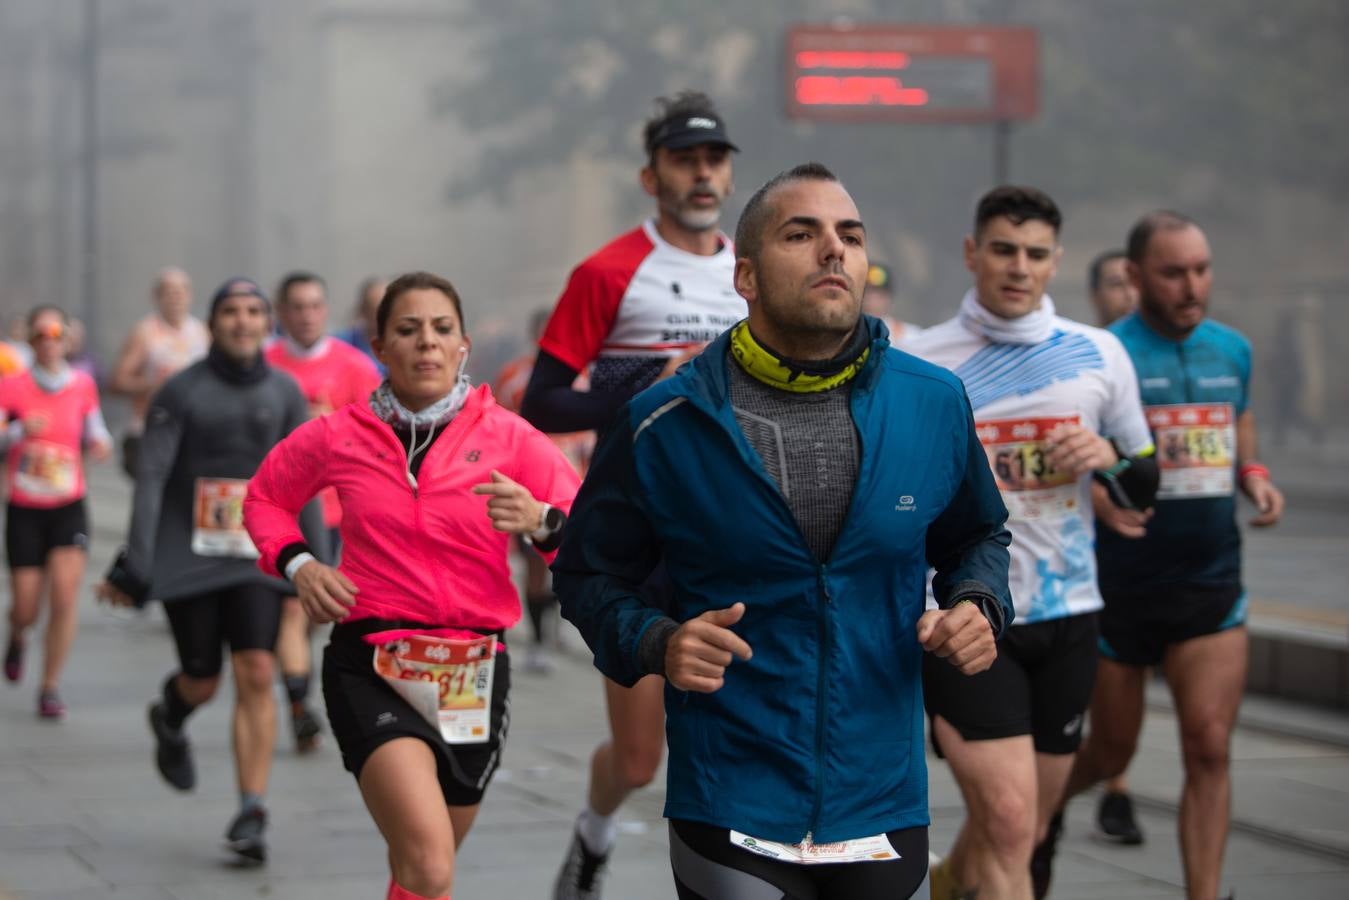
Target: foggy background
{"points": [[498, 143]]}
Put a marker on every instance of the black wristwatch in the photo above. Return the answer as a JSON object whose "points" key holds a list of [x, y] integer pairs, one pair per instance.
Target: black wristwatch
{"points": [[553, 520]]}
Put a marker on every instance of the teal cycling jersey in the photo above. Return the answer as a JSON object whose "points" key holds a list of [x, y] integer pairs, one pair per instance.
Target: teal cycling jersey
{"points": [[1193, 391]]}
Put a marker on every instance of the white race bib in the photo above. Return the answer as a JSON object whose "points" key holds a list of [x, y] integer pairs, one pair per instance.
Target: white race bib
{"points": [[447, 681], [1196, 449], [47, 470], [1030, 487], [876, 848], [218, 519]]}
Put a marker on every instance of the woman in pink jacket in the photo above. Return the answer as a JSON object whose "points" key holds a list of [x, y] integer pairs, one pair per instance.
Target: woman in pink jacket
{"points": [[434, 479]]}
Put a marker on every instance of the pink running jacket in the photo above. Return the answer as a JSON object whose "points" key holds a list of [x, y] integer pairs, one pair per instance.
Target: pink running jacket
{"points": [[428, 555]]}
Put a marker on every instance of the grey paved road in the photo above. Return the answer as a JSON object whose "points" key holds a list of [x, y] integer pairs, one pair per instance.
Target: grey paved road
{"points": [[83, 814]]}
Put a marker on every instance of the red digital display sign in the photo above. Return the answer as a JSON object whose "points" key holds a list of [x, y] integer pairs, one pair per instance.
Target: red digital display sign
{"points": [[912, 73]]}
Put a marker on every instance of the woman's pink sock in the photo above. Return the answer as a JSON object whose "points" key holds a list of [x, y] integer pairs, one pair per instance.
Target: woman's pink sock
{"points": [[398, 892]]}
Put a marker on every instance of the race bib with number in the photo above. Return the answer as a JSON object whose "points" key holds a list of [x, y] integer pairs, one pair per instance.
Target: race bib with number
{"points": [[218, 519], [1196, 449], [1031, 488], [808, 853], [446, 680], [47, 471]]}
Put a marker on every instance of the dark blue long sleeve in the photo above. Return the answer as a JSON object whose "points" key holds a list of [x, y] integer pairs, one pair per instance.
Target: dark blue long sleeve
{"points": [[608, 550], [967, 544]]}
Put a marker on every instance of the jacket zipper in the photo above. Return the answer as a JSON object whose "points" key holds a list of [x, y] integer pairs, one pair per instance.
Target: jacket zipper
{"points": [[822, 571], [821, 699], [418, 511]]}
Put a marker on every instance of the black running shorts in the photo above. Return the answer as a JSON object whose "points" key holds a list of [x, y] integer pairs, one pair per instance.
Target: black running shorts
{"points": [[707, 866], [1039, 685], [32, 533], [245, 616], [364, 713], [1138, 625]]}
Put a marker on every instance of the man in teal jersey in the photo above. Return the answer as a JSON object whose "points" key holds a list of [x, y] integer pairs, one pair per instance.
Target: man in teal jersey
{"points": [[1171, 576]]}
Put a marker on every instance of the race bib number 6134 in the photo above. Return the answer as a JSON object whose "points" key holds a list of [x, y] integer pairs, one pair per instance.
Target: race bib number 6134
{"points": [[1031, 487]]}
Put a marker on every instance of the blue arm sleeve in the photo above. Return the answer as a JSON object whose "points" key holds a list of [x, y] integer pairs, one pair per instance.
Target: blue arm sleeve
{"points": [[967, 544], [609, 548]]}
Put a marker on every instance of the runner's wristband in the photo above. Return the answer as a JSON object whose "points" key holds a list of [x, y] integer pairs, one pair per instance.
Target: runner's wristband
{"points": [[299, 560], [1253, 468]]}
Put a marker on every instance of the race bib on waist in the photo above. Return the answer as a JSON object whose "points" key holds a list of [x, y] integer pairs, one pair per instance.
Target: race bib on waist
{"points": [[808, 853], [47, 470], [218, 519], [1196, 449], [448, 681], [1031, 488]]}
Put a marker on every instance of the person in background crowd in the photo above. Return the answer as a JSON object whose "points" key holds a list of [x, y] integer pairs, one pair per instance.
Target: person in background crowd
{"points": [[331, 374], [78, 354], [49, 417], [160, 345], [360, 332], [1111, 293], [1171, 576], [207, 429], [878, 300]]}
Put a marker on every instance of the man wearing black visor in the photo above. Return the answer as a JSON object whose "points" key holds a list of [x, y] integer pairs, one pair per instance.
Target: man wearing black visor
{"points": [[632, 313]]}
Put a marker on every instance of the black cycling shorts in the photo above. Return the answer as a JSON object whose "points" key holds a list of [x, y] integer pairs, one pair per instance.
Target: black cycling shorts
{"points": [[364, 713], [1040, 685], [31, 533], [245, 616], [707, 866], [1138, 625]]}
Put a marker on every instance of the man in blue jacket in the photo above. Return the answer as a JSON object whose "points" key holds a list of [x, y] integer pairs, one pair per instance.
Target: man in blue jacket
{"points": [[798, 478]]}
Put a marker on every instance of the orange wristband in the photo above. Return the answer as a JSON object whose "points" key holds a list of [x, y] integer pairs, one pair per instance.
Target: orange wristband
{"points": [[1253, 468]]}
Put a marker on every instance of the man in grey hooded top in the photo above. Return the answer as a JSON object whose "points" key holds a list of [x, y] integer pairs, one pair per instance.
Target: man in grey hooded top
{"points": [[207, 430]]}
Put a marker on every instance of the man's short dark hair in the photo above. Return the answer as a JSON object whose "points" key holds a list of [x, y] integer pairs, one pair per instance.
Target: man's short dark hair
{"points": [[685, 104], [294, 278], [1018, 204], [1098, 266], [1136, 246], [758, 211], [416, 281]]}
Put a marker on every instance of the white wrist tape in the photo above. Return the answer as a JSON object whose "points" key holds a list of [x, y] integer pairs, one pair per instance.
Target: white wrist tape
{"points": [[294, 565]]}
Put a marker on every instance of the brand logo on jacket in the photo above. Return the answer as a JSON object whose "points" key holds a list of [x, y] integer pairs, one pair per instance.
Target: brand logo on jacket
{"points": [[906, 504]]}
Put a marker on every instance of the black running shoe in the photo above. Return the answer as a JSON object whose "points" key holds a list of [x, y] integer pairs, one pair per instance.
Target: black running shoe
{"points": [[1042, 860], [579, 878], [1115, 816], [173, 754], [245, 836], [306, 727]]}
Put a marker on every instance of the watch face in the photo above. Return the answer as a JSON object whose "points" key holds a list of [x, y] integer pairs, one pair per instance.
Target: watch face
{"points": [[554, 518]]}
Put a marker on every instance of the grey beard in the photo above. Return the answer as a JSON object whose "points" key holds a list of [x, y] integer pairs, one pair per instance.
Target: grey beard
{"points": [[696, 220]]}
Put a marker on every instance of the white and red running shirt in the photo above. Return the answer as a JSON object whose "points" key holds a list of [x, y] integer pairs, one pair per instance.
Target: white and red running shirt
{"points": [[331, 374], [636, 303], [46, 469]]}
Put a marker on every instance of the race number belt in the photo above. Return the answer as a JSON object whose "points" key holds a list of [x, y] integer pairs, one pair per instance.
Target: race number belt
{"points": [[218, 519], [448, 681], [1031, 488], [1196, 449], [47, 470], [808, 853]]}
